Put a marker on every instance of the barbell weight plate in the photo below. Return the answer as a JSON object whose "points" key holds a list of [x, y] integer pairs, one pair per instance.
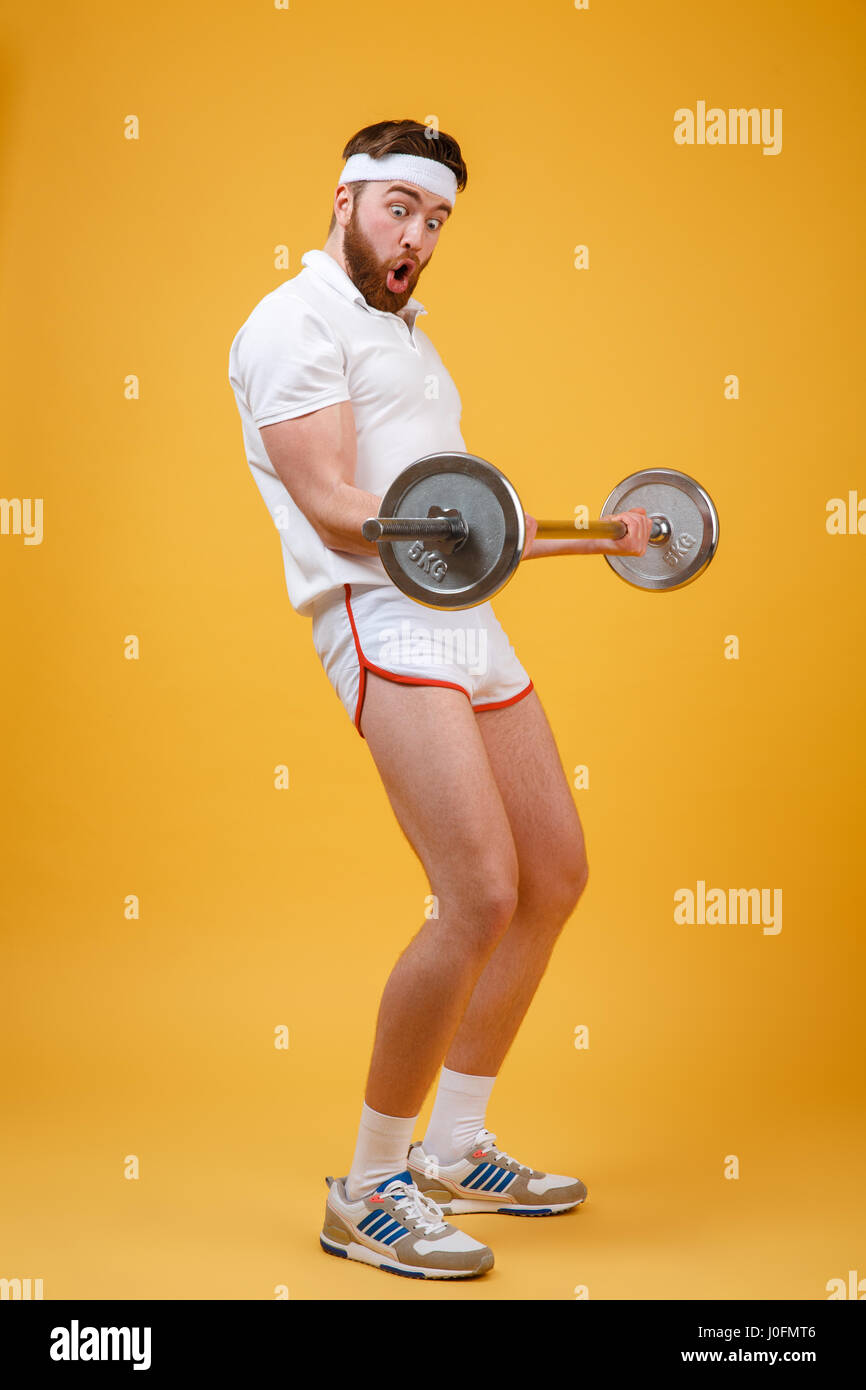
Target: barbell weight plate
{"points": [[485, 561], [694, 524]]}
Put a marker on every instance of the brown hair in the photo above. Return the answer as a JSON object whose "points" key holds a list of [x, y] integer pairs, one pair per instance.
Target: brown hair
{"points": [[404, 137]]}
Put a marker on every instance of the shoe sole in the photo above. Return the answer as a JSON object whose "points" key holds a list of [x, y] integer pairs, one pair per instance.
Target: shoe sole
{"points": [[366, 1256], [464, 1206]]}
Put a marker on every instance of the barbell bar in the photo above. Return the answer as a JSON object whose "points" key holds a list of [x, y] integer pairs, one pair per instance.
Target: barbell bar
{"points": [[454, 528], [451, 530]]}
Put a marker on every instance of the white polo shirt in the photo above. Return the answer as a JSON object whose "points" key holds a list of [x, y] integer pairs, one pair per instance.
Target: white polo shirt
{"points": [[315, 341]]}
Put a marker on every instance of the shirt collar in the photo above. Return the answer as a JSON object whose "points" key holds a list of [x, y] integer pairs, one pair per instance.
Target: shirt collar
{"points": [[324, 265]]}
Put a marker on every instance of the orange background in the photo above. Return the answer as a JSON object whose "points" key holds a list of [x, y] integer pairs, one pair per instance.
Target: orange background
{"points": [[156, 777]]}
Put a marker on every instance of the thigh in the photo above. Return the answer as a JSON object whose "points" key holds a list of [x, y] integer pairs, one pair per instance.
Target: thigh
{"points": [[426, 744], [537, 798]]}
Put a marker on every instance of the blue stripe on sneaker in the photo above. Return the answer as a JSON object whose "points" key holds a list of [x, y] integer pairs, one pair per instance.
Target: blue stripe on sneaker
{"points": [[380, 1220], [488, 1169], [384, 1229], [371, 1219], [476, 1172], [492, 1180], [390, 1236], [505, 1181]]}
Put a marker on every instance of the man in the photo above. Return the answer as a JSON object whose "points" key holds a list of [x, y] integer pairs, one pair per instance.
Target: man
{"points": [[338, 390]]}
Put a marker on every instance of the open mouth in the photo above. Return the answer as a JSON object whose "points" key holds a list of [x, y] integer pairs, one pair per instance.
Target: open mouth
{"points": [[398, 276]]}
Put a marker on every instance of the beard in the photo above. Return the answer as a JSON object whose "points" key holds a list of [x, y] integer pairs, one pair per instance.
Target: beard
{"points": [[369, 273]]}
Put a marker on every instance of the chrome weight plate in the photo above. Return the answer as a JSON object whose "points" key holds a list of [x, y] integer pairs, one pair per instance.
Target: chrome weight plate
{"points": [[448, 576], [680, 556]]}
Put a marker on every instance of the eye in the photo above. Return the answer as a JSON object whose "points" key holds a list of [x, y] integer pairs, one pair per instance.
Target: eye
{"points": [[437, 223], [398, 205]]}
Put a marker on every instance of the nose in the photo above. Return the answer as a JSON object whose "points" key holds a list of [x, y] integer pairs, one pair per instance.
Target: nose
{"points": [[413, 234]]}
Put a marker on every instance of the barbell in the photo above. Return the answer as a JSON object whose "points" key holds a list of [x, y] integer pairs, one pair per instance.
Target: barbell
{"points": [[451, 530]]}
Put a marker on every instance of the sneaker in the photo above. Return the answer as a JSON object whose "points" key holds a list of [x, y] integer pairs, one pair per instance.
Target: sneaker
{"points": [[488, 1179], [399, 1230]]}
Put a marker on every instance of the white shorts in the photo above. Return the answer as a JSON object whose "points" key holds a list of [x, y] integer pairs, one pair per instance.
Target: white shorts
{"points": [[375, 627]]}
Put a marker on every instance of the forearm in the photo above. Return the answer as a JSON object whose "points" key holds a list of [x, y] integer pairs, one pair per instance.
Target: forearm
{"points": [[340, 516], [540, 548], [343, 511]]}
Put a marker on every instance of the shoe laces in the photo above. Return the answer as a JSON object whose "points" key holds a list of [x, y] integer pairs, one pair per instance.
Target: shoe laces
{"points": [[408, 1197], [485, 1140]]}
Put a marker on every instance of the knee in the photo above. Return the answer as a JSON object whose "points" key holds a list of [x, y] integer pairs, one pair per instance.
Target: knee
{"points": [[482, 900], [576, 879], [558, 889], [490, 902]]}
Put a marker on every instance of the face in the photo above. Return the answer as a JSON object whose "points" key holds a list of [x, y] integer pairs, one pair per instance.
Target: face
{"points": [[391, 226]]}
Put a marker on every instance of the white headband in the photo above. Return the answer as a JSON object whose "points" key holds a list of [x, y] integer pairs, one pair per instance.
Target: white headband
{"points": [[426, 173]]}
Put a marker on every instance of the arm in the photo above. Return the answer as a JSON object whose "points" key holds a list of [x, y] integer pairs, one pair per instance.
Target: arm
{"points": [[314, 457], [635, 543]]}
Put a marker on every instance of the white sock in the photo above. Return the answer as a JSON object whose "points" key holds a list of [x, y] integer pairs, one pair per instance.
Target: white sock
{"points": [[381, 1151], [458, 1114]]}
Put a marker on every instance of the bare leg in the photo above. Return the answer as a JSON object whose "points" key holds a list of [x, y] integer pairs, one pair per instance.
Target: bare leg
{"points": [[427, 744], [553, 872]]}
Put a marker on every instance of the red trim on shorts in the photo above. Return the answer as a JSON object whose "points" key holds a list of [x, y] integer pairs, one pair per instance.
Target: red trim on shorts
{"points": [[500, 704], [366, 666]]}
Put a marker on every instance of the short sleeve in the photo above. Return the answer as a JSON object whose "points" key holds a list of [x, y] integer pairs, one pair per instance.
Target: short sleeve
{"points": [[285, 362]]}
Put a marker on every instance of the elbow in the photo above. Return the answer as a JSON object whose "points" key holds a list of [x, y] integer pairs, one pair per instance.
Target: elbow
{"points": [[330, 540], [326, 535]]}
